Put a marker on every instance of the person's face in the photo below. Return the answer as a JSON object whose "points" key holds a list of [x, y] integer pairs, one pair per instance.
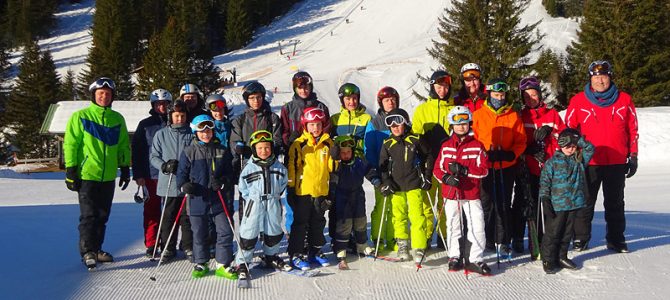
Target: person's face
{"points": [[255, 101], [531, 97], [205, 136], [178, 117], [191, 100], [398, 130], [498, 95], [600, 83], [472, 84], [388, 104], [315, 128], [441, 89], [461, 129], [263, 150], [217, 114], [161, 107], [103, 97], [346, 153], [569, 150], [303, 91], [350, 102]]}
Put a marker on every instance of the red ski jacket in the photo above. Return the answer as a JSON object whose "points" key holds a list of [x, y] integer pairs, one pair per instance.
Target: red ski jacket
{"points": [[471, 154], [612, 129], [534, 118]]}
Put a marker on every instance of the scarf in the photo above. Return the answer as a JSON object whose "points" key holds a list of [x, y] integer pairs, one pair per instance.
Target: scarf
{"points": [[496, 104], [603, 99]]}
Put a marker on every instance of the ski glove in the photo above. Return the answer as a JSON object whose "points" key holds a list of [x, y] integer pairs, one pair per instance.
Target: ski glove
{"points": [[388, 189], [500, 155], [632, 166], [376, 182], [451, 180], [241, 149], [170, 167], [542, 132], [124, 180], [72, 181], [191, 189], [322, 204], [334, 152], [219, 183], [426, 184], [540, 156], [458, 169], [548, 208]]}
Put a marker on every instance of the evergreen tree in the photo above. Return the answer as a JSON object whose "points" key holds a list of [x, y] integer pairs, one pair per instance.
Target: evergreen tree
{"points": [[28, 20], [69, 87], [550, 69], [4, 67], [238, 25], [30, 99], [200, 21]]}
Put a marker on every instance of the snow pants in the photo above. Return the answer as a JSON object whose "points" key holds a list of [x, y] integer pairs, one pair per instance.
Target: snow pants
{"points": [[308, 222], [260, 215], [557, 235], [410, 205], [350, 217], [613, 180], [387, 234], [224, 238], [521, 206], [172, 205], [496, 196], [152, 214], [432, 199], [95, 205], [474, 216]]}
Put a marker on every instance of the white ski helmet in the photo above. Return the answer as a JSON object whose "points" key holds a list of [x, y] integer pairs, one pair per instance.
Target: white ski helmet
{"points": [[459, 115], [470, 66], [190, 88], [160, 95]]}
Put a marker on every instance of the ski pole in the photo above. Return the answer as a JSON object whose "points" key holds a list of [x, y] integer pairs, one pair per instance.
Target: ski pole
{"points": [[495, 216], [433, 207], [504, 217], [153, 278], [160, 223], [418, 266], [230, 223], [381, 225]]}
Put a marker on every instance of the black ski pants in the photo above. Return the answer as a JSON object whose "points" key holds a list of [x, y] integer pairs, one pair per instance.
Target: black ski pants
{"points": [[496, 196], [521, 204], [172, 206], [557, 235], [95, 205], [308, 222]]}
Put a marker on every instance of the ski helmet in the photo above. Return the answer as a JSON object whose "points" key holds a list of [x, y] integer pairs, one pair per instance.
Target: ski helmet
{"points": [[102, 82], [160, 95], [302, 78], [528, 83], [459, 115], [258, 137], [348, 89], [470, 70], [253, 87], [345, 141], [496, 85], [213, 101], [388, 92], [312, 115], [202, 122], [397, 116], [600, 67], [177, 106], [439, 77], [189, 88]]}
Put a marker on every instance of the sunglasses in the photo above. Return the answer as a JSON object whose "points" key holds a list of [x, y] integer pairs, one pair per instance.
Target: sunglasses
{"points": [[498, 87], [101, 83], [444, 80], [302, 81], [394, 120], [460, 117], [600, 67], [216, 105], [202, 126], [471, 74]]}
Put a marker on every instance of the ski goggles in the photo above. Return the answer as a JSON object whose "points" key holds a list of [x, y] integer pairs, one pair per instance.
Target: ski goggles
{"points": [[347, 143], [471, 74], [217, 105], [444, 80], [102, 83], [600, 67], [529, 83], [498, 87], [261, 136], [202, 126], [394, 120], [457, 118], [302, 81], [314, 114]]}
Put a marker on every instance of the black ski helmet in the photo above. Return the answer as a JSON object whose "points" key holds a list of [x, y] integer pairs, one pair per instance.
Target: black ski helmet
{"points": [[178, 106], [302, 77], [253, 87], [434, 79]]}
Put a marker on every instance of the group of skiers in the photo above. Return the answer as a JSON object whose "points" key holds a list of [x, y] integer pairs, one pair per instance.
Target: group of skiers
{"points": [[471, 156]]}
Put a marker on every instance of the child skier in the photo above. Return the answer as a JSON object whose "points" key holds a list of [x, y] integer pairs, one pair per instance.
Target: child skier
{"points": [[204, 170], [262, 183], [562, 192], [460, 165], [309, 166], [350, 200], [401, 162]]}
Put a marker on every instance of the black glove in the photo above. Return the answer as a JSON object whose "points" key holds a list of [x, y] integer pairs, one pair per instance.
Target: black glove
{"points": [[426, 184], [457, 169], [540, 156], [542, 132], [170, 166], [72, 181], [219, 183], [190, 188], [632, 166], [548, 208], [240, 148], [388, 189], [322, 204], [124, 180], [335, 152], [451, 179]]}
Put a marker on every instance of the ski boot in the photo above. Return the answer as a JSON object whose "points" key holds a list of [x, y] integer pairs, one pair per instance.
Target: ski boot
{"points": [[419, 254], [168, 256], [317, 257], [150, 252], [617, 247], [199, 270], [579, 245], [189, 254], [225, 272], [104, 257], [299, 262], [567, 263], [342, 260], [90, 260], [274, 261], [455, 264], [403, 250], [504, 253], [364, 250], [479, 268], [549, 267], [243, 277]]}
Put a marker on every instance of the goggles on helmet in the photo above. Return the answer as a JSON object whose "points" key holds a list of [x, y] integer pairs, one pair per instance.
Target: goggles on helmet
{"points": [[314, 115], [529, 83], [444, 80], [470, 74], [101, 83], [347, 143], [260, 136], [458, 118], [302, 81], [217, 105], [498, 87], [202, 126], [600, 67], [394, 120]]}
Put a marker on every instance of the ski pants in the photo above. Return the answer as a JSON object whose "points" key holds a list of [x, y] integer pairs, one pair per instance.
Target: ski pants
{"points": [[521, 207], [224, 238], [474, 216], [95, 205], [557, 235], [613, 180], [172, 205], [309, 222], [260, 215], [410, 205], [152, 214], [387, 235], [432, 199], [496, 196], [350, 216]]}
